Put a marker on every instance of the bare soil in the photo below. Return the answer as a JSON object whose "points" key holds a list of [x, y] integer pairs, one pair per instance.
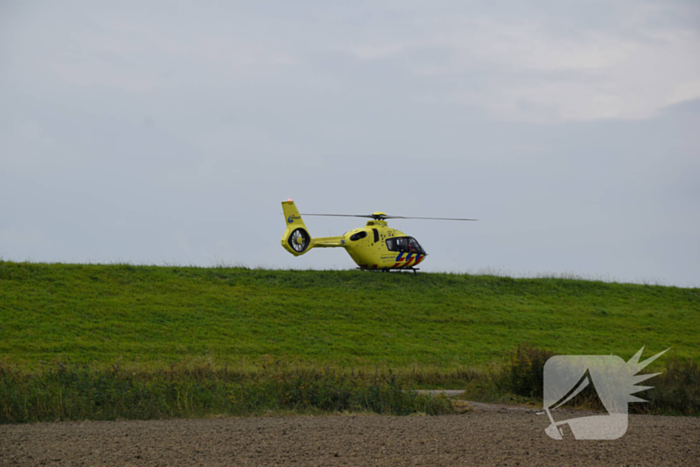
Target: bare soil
{"points": [[487, 436]]}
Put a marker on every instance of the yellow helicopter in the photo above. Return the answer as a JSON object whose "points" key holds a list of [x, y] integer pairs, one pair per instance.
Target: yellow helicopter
{"points": [[374, 246]]}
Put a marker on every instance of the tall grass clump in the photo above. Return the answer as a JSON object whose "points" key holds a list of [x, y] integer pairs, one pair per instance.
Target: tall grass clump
{"points": [[70, 392], [526, 373], [516, 377], [676, 391]]}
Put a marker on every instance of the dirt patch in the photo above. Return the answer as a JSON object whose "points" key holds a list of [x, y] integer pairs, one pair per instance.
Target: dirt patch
{"points": [[508, 438]]}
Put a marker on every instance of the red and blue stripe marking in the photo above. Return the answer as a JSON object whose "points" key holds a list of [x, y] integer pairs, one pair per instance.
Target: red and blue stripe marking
{"points": [[411, 259]]}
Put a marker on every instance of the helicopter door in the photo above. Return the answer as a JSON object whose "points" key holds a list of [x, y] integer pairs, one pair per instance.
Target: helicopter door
{"points": [[376, 235]]}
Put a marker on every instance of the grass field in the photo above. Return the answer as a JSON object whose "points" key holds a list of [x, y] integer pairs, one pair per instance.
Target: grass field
{"points": [[160, 315], [120, 341]]}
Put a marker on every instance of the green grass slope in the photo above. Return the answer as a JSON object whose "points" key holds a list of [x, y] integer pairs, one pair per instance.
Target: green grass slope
{"points": [[105, 313]]}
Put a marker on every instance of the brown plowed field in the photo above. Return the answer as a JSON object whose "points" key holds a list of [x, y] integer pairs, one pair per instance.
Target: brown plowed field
{"points": [[483, 437]]}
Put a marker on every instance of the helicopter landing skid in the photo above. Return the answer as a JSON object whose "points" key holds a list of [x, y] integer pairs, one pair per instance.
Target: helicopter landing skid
{"points": [[415, 270]]}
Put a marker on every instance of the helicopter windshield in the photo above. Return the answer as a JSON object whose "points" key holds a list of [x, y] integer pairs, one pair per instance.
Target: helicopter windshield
{"points": [[404, 244]]}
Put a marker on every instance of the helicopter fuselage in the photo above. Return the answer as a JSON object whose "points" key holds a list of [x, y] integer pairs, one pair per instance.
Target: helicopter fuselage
{"points": [[381, 247]]}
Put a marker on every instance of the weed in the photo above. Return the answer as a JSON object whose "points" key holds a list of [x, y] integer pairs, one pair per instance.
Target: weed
{"points": [[71, 392], [675, 391], [526, 375]]}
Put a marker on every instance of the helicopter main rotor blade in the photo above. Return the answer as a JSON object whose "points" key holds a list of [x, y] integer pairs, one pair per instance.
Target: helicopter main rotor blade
{"points": [[430, 218], [372, 216], [339, 215]]}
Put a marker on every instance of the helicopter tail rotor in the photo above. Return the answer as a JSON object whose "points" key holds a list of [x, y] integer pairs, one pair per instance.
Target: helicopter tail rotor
{"points": [[299, 240]]}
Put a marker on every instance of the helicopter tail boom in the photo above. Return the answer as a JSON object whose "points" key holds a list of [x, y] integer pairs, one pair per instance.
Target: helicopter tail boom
{"points": [[327, 242]]}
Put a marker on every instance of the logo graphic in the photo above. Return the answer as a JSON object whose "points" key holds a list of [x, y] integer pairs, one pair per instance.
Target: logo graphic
{"points": [[613, 380], [290, 219]]}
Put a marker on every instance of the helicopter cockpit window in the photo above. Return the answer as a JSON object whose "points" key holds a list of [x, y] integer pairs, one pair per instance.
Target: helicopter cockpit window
{"points": [[404, 244], [358, 236]]}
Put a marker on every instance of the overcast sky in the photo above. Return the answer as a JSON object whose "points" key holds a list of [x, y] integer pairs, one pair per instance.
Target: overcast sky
{"points": [[169, 132]]}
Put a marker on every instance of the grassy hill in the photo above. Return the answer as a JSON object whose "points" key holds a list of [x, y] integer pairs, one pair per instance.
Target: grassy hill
{"points": [[158, 315]]}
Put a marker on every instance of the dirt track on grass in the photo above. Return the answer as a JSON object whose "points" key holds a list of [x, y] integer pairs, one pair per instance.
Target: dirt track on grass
{"points": [[492, 436]]}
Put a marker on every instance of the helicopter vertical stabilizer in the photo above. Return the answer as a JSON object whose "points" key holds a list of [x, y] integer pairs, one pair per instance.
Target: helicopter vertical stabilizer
{"points": [[296, 238]]}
